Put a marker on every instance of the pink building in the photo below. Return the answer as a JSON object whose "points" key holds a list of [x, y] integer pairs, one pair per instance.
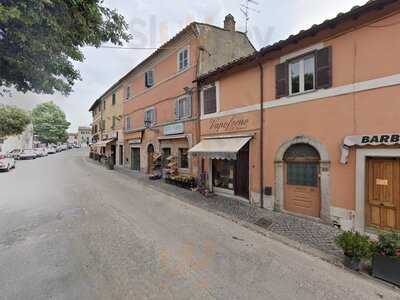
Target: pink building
{"points": [[310, 125]]}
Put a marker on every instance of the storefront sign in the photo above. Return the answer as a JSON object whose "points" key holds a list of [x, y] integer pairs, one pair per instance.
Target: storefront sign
{"points": [[177, 128], [382, 182], [135, 141], [365, 140], [232, 124]]}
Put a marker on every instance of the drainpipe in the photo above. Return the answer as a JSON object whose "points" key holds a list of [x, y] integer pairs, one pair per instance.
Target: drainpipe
{"points": [[261, 134]]}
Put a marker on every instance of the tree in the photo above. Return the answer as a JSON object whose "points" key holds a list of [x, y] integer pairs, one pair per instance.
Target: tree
{"points": [[49, 123], [13, 120], [39, 39]]}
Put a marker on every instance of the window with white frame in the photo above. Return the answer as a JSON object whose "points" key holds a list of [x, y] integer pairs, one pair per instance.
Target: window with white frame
{"points": [[150, 117], [128, 123], [128, 92], [183, 59], [149, 78], [302, 75], [210, 99], [183, 108]]}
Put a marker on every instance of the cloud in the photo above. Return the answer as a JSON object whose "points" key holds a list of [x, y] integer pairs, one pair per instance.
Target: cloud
{"points": [[152, 22]]}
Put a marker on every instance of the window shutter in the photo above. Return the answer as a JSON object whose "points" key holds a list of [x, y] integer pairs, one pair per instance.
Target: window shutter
{"points": [[188, 107], [177, 104], [282, 80], [210, 100], [323, 68]]}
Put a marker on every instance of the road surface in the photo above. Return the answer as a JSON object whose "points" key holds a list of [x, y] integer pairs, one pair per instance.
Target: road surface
{"points": [[70, 229]]}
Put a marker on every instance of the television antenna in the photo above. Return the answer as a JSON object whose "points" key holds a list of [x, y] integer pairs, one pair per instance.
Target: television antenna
{"points": [[246, 8]]}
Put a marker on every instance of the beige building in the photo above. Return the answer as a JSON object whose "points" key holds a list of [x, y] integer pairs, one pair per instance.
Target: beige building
{"points": [[108, 122], [84, 136]]}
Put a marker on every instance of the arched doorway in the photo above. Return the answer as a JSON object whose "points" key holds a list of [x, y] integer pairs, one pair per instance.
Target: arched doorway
{"points": [[150, 160], [302, 190]]}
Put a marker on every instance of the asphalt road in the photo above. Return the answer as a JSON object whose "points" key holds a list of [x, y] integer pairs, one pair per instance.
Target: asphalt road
{"points": [[73, 230]]}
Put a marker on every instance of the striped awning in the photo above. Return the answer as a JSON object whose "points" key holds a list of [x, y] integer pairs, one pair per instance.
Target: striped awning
{"points": [[220, 148], [103, 143]]}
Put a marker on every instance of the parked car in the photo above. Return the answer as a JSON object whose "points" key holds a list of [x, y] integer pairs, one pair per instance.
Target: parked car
{"points": [[14, 153], [6, 162], [41, 152], [51, 150], [27, 154]]}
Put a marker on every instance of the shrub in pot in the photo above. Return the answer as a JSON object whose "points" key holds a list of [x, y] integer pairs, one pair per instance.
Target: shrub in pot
{"points": [[356, 247], [386, 261]]}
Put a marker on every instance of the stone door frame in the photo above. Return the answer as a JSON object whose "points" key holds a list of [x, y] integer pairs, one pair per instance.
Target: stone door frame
{"points": [[325, 163]]}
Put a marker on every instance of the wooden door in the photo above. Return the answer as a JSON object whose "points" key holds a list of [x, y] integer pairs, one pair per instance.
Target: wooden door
{"points": [[135, 159], [242, 174], [302, 188], [383, 193], [302, 193]]}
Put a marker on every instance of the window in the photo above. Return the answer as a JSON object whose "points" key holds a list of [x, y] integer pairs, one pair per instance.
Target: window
{"points": [[183, 59], [113, 98], [128, 123], [307, 73], [210, 100], [223, 173], [103, 124], [183, 108], [127, 92], [114, 118], [302, 75], [104, 105], [149, 78], [150, 116], [183, 158]]}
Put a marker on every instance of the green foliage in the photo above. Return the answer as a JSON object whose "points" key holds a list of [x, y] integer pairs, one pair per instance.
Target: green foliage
{"points": [[39, 39], [388, 244], [355, 245], [13, 120], [49, 123]]}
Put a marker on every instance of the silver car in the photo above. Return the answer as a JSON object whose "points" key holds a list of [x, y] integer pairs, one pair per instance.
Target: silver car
{"points": [[6, 162], [27, 154]]}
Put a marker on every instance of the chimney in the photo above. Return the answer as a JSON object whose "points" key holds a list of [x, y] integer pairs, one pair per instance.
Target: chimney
{"points": [[230, 23]]}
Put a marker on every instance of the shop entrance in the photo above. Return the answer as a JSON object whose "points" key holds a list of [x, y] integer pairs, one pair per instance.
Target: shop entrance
{"points": [[121, 155], [135, 159], [232, 176], [383, 193], [150, 160], [302, 185]]}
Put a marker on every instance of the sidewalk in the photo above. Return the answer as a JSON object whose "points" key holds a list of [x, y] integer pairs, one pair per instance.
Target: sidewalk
{"points": [[312, 237]]}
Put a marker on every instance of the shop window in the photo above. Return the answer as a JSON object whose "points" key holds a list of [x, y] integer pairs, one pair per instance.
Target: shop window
{"points": [[183, 59], [183, 108], [183, 158], [223, 174], [210, 100]]}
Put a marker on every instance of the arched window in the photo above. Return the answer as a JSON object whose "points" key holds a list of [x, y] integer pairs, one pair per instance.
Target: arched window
{"points": [[302, 165]]}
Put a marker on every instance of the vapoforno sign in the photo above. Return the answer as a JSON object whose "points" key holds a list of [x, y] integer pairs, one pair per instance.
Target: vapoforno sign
{"points": [[365, 140]]}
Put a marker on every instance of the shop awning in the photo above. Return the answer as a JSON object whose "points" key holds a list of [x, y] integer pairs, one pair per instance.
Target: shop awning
{"points": [[103, 143], [220, 148]]}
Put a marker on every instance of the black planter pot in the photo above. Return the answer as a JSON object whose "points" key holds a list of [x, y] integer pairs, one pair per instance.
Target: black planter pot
{"points": [[386, 268], [352, 263]]}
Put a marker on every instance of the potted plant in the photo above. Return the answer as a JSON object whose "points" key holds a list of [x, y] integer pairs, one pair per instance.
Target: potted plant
{"points": [[356, 247], [386, 261]]}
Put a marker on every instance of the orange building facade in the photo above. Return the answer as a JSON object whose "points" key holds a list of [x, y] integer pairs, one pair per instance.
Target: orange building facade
{"points": [[161, 104], [310, 125]]}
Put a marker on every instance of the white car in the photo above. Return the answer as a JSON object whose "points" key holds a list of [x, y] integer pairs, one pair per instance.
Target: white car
{"points": [[27, 154], [6, 162], [41, 152], [52, 150]]}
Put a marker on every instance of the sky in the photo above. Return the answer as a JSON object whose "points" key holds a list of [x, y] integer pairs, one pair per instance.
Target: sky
{"points": [[153, 22]]}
